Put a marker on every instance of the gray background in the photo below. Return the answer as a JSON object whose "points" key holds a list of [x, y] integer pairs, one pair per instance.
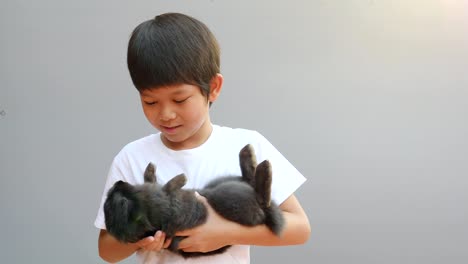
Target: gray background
{"points": [[368, 99]]}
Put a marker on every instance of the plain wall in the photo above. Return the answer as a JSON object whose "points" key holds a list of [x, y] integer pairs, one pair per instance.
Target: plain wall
{"points": [[367, 98]]}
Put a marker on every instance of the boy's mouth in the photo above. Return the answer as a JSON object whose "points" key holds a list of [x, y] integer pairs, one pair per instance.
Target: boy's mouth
{"points": [[170, 129]]}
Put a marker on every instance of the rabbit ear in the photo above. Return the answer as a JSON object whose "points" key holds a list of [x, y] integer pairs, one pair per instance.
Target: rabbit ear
{"points": [[263, 179], [248, 162], [150, 173], [175, 183]]}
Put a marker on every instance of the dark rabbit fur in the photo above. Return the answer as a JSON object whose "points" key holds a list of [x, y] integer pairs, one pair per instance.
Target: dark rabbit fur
{"points": [[133, 212]]}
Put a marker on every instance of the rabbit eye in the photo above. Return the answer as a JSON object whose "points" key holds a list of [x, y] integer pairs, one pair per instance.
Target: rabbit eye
{"points": [[138, 218]]}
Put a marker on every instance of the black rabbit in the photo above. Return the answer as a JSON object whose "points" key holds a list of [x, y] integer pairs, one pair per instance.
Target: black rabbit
{"points": [[133, 212]]}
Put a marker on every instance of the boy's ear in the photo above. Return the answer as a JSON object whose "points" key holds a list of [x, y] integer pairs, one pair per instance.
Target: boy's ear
{"points": [[215, 87]]}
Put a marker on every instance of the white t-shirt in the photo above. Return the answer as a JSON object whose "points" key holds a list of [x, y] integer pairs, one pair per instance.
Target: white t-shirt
{"points": [[218, 156]]}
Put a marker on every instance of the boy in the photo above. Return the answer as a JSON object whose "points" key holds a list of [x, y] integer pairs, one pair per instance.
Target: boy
{"points": [[174, 63]]}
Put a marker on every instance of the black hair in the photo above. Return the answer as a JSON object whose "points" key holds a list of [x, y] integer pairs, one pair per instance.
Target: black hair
{"points": [[170, 49]]}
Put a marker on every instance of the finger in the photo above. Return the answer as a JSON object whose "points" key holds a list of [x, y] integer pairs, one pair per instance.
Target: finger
{"points": [[184, 243], [200, 197], [158, 242], [204, 201], [154, 242], [144, 242], [188, 249], [167, 243]]}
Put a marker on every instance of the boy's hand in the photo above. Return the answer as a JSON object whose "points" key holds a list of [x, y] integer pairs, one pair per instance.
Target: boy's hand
{"points": [[212, 235], [154, 243]]}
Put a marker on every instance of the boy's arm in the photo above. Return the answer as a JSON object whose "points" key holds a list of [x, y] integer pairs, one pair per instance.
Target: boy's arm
{"points": [[111, 250], [296, 231], [218, 232]]}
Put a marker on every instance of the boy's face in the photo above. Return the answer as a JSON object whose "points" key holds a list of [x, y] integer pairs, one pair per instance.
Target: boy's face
{"points": [[180, 112]]}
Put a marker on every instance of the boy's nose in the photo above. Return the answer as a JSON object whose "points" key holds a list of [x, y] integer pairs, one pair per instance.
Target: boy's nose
{"points": [[167, 114]]}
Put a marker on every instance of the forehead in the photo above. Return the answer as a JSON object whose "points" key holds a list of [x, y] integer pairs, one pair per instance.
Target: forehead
{"points": [[175, 89]]}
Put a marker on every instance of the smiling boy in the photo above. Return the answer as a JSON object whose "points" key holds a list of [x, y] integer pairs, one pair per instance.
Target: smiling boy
{"points": [[181, 113], [174, 63]]}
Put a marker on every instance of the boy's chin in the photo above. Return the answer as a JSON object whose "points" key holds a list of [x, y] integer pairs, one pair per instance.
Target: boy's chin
{"points": [[174, 142], [172, 139]]}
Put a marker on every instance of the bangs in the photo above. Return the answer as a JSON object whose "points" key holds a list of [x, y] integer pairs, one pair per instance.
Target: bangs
{"points": [[172, 49]]}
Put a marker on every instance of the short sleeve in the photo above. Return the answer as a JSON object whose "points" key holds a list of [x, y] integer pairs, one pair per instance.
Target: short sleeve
{"points": [[286, 178], [115, 174]]}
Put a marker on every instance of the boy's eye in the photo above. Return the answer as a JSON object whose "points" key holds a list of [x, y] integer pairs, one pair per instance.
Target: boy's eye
{"points": [[181, 101], [150, 103]]}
